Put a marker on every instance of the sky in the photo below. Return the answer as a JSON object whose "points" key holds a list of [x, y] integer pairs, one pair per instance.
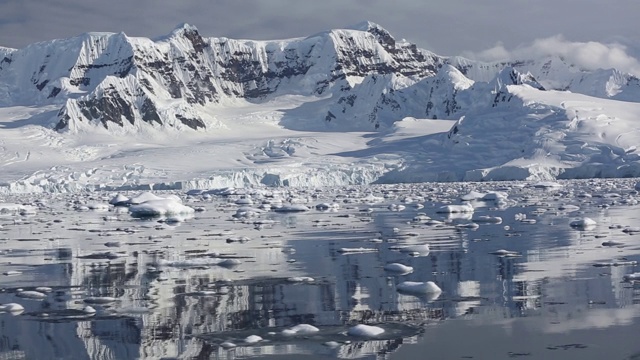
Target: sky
{"points": [[482, 29]]}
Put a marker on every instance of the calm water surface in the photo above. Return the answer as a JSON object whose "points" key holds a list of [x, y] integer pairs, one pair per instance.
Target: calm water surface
{"points": [[167, 289]]}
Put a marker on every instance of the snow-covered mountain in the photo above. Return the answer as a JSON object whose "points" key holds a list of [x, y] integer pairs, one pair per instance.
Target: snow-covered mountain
{"points": [[114, 79], [98, 98], [372, 79]]}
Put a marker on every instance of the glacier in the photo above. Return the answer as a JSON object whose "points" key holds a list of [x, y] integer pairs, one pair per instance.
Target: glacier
{"points": [[105, 111]]}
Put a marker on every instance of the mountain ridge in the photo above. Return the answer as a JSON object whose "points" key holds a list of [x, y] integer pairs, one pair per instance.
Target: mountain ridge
{"points": [[89, 74]]}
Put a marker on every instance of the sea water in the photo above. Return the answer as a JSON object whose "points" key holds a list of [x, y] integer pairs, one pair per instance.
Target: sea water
{"points": [[275, 272]]}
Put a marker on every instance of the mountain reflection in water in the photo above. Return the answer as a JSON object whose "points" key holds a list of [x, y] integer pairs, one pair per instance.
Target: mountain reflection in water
{"points": [[188, 289]]}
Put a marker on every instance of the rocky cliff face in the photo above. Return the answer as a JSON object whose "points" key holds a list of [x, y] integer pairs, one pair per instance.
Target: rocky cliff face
{"points": [[370, 79]]}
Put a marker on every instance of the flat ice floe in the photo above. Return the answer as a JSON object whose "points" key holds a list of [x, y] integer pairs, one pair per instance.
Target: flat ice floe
{"points": [[584, 223], [160, 207], [417, 287], [300, 329], [11, 308], [452, 209], [398, 268], [362, 330]]}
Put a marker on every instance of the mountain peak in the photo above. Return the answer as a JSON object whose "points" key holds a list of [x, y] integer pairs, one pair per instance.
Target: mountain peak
{"points": [[510, 76], [184, 28], [366, 26], [384, 37]]}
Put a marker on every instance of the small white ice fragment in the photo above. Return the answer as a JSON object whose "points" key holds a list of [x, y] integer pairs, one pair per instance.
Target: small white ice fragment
{"points": [[583, 223], [99, 300], [159, 208], [362, 330], [360, 250], [398, 268], [228, 345], [11, 308], [292, 208], [301, 329], [30, 294], [416, 287], [452, 209], [252, 339], [503, 252]]}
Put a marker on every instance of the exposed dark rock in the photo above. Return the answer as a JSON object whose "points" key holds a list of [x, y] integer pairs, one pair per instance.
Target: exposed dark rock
{"points": [[42, 85], [149, 112], [195, 124], [54, 92]]}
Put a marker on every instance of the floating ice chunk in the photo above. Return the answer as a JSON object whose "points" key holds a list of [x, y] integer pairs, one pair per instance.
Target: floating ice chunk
{"points": [[252, 339], [568, 208], [159, 207], [11, 308], [327, 206], [616, 263], [631, 230], [359, 250], [228, 345], [103, 255], [396, 207], [198, 262], [247, 212], [100, 300], [503, 252], [416, 287], [362, 330], [433, 222], [229, 263], [474, 195], [301, 329], [89, 309], [31, 294], [495, 196], [450, 209], [422, 217], [12, 272], [612, 243], [244, 201], [292, 208], [398, 268], [584, 223], [144, 197], [298, 279], [10, 208], [372, 199], [44, 289], [422, 249], [631, 277], [487, 219], [119, 200], [238, 239], [470, 225], [98, 207], [547, 185]]}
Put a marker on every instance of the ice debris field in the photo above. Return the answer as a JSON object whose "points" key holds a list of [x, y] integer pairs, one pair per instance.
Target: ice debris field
{"points": [[345, 271]]}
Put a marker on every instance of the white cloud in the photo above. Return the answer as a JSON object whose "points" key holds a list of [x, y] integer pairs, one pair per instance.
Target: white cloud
{"points": [[588, 55]]}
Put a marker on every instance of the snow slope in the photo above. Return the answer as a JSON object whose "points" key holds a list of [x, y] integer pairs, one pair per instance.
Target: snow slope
{"points": [[346, 106]]}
